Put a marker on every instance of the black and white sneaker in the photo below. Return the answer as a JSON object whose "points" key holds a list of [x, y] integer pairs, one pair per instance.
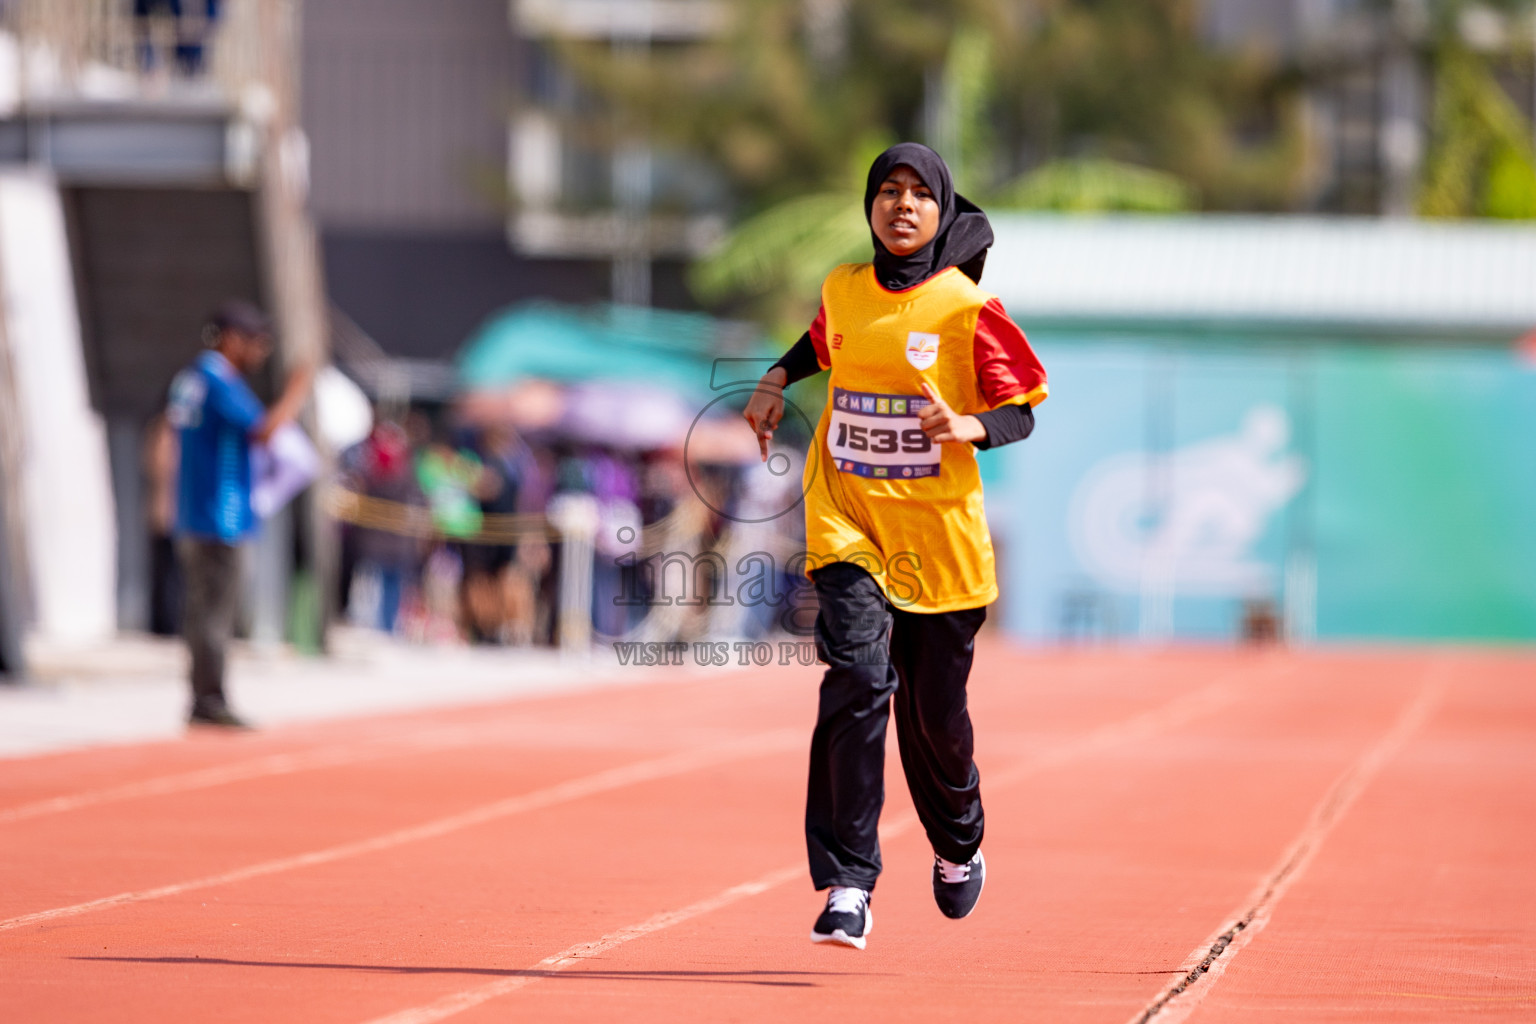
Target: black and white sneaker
{"points": [[957, 887], [847, 920], [215, 712]]}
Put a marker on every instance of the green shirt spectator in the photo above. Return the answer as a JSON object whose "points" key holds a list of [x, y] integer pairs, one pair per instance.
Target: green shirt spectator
{"points": [[450, 479]]}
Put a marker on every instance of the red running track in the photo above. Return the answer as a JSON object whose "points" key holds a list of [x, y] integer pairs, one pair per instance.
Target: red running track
{"points": [[1352, 832]]}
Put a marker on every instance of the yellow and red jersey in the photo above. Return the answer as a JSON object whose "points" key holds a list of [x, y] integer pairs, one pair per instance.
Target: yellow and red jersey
{"points": [[878, 492]]}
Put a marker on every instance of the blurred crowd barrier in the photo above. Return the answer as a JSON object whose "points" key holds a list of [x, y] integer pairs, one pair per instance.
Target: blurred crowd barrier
{"points": [[455, 532]]}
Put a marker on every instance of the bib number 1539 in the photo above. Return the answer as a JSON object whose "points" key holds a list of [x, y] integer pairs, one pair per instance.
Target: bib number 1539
{"points": [[882, 440], [880, 436]]}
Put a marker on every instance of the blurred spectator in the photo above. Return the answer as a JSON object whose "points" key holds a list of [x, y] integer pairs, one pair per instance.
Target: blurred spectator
{"points": [[1261, 622], [500, 578], [218, 418], [161, 453], [451, 478], [382, 468], [664, 480], [192, 23]]}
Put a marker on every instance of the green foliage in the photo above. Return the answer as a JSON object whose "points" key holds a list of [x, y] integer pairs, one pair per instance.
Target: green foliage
{"points": [[998, 86], [962, 111], [777, 258], [777, 109], [1134, 81], [787, 248], [1481, 162], [1444, 15], [1509, 192], [1070, 105], [1096, 186], [1107, 105]]}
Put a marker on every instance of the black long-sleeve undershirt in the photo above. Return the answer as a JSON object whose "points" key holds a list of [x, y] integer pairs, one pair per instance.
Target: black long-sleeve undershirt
{"points": [[800, 361], [1004, 425]]}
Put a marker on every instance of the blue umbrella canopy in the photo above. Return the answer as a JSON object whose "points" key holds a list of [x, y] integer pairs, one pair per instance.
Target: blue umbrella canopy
{"points": [[636, 347]]}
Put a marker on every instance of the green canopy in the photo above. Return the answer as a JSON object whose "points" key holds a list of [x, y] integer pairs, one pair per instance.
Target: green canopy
{"points": [[629, 345]]}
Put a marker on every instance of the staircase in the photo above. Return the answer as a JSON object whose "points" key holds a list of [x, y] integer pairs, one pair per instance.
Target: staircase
{"points": [[179, 187]]}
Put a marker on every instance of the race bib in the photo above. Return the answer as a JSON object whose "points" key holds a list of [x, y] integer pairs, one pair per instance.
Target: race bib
{"points": [[880, 436]]}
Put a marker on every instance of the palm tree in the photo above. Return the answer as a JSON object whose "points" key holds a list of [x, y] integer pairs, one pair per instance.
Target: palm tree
{"points": [[979, 112], [1039, 104], [1481, 160]]}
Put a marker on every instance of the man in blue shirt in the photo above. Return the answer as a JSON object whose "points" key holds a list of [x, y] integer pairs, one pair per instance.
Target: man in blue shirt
{"points": [[217, 419]]}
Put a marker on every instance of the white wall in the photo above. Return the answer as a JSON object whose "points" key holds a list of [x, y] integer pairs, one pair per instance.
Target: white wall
{"points": [[65, 475], [1341, 270]]}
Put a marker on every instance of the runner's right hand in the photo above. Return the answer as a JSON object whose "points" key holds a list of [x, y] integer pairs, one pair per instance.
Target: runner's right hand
{"points": [[766, 407]]}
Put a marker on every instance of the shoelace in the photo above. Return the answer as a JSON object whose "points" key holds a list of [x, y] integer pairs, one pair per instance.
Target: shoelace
{"points": [[847, 900], [953, 874]]}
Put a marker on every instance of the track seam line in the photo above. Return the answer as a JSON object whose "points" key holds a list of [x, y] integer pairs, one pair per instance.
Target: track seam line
{"points": [[269, 766], [401, 743], [457, 1002], [202, 778], [1179, 711], [591, 785], [1210, 960]]}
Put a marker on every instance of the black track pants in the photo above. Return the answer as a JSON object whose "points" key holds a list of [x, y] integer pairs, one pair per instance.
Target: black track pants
{"points": [[212, 574], [875, 652]]}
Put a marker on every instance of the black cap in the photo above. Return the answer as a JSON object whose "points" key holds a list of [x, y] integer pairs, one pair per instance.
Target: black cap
{"points": [[238, 315]]}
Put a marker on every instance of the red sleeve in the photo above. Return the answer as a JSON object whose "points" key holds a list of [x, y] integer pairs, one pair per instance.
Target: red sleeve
{"points": [[818, 334], [1007, 370]]}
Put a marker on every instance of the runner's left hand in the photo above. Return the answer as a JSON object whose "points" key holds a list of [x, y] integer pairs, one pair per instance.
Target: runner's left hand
{"points": [[766, 407], [941, 423]]}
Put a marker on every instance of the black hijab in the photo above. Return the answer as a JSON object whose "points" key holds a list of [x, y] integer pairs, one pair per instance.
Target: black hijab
{"points": [[964, 234]]}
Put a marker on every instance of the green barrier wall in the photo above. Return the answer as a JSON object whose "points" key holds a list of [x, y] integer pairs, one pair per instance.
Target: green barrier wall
{"points": [[1363, 489]]}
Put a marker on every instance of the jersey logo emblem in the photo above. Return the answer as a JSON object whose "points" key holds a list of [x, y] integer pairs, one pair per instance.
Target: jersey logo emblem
{"points": [[922, 349], [837, 341], [189, 391]]}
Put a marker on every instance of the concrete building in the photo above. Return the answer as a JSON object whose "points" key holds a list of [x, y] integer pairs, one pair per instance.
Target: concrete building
{"points": [[447, 184], [1368, 82], [149, 170], [458, 165]]}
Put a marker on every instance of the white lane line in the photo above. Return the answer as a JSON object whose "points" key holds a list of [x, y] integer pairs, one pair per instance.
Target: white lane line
{"points": [[385, 745], [390, 743], [381, 746], [1209, 961], [591, 785], [1178, 711], [1181, 710], [203, 778], [458, 1002]]}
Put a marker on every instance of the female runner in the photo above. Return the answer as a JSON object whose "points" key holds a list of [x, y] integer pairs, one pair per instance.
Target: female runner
{"points": [[926, 367]]}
